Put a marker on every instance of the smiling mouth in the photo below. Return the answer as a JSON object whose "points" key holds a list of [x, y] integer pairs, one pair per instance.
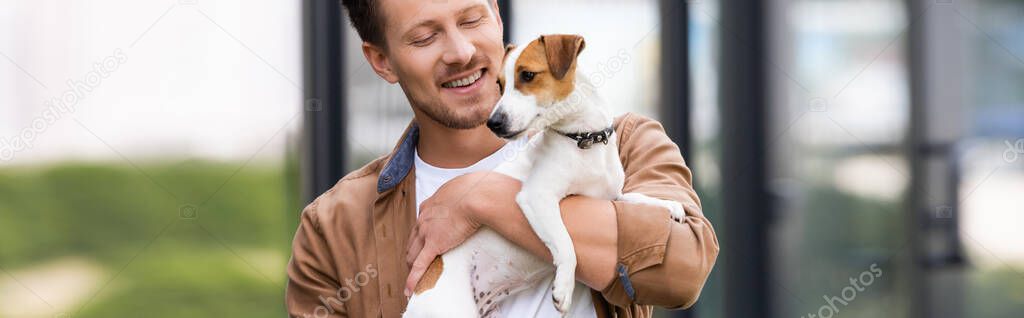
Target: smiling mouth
{"points": [[465, 81]]}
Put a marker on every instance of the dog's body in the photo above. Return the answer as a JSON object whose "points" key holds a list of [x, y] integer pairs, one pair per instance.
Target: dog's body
{"points": [[572, 152]]}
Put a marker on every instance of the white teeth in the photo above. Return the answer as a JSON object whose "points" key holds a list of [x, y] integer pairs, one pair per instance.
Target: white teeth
{"points": [[465, 81]]}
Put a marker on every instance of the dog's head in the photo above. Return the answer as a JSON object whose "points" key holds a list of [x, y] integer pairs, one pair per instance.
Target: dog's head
{"points": [[535, 80]]}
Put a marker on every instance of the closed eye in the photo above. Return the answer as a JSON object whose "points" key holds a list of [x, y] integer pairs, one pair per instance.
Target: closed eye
{"points": [[473, 23], [424, 41]]}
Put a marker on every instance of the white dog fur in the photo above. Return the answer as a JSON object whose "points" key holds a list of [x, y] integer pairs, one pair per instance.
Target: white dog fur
{"points": [[484, 270]]}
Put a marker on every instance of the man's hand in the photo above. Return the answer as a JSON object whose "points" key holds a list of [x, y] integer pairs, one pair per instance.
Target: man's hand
{"points": [[445, 221], [464, 204]]}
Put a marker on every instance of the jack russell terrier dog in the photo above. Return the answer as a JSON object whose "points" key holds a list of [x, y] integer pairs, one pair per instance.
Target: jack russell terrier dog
{"points": [[572, 150]]}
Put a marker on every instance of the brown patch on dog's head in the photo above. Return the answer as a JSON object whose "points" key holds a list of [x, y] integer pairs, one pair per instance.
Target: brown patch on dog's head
{"points": [[547, 67], [430, 276]]}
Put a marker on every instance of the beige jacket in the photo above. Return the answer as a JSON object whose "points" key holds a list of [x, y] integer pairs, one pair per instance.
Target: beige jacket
{"points": [[348, 253]]}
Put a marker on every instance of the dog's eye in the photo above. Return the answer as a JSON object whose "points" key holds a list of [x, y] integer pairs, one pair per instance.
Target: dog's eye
{"points": [[527, 76]]}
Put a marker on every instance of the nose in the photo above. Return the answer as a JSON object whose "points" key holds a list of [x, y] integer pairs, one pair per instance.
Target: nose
{"points": [[460, 49], [498, 123]]}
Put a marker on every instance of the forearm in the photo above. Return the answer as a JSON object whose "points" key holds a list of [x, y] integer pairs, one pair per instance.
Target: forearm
{"points": [[591, 224]]}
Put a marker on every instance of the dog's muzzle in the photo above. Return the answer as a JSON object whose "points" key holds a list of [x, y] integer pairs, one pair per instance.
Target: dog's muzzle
{"points": [[498, 124]]}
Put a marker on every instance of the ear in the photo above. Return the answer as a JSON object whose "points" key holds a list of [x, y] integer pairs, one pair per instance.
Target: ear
{"points": [[509, 48], [561, 51], [379, 61]]}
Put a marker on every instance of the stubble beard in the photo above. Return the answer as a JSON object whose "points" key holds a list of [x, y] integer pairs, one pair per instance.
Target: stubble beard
{"points": [[470, 117]]}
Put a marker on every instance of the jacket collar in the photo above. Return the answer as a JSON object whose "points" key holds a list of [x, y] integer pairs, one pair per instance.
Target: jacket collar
{"points": [[400, 161]]}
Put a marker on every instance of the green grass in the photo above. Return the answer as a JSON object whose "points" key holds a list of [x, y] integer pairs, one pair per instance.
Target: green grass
{"points": [[227, 262]]}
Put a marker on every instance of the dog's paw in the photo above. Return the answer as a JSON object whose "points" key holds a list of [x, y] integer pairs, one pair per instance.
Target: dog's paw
{"points": [[675, 209], [562, 285], [561, 293]]}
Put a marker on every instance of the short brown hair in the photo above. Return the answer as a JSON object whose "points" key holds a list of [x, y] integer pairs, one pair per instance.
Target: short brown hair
{"points": [[366, 19]]}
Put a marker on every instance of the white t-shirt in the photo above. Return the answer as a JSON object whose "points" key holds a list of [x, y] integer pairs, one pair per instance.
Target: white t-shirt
{"points": [[534, 302]]}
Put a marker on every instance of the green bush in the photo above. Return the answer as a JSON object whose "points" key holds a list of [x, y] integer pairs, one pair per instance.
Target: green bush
{"points": [[226, 262]]}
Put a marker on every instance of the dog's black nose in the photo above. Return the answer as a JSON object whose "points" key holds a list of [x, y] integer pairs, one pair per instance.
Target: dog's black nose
{"points": [[498, 123]]}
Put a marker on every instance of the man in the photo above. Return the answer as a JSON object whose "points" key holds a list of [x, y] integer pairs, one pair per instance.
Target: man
{"points": [[362, 245]]}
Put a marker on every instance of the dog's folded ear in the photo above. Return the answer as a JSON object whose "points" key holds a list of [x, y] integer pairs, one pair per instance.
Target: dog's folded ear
{"points": [[561, 51], [509, 47]]}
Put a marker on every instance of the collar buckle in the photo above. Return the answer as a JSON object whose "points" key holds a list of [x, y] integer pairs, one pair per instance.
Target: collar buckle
{"points": [[585, 140]]}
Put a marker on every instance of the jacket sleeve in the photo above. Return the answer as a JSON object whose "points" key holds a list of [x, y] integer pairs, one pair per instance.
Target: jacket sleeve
{"points": [[661, 262], [312, 281]]}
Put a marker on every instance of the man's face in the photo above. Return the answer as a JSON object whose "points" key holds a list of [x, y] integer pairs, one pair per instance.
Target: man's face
{"points": [[446, 56]]}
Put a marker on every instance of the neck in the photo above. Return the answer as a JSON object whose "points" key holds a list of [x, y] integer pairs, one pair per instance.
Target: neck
{"points": [[589, 120], [589, 115], [450, 148]]}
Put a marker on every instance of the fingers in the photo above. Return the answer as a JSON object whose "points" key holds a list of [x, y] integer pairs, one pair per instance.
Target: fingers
{"points": [[414, 248], [419, 266]]}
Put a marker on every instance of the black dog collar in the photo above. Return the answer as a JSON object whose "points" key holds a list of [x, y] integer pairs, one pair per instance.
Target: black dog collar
{"points": [[586, 139]]}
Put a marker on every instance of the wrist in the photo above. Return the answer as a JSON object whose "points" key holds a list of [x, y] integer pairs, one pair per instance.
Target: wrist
{"points": [[474, 212], [496, 200]]}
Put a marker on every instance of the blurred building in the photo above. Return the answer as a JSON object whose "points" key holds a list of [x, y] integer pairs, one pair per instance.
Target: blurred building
{"points": [[858, 158]]}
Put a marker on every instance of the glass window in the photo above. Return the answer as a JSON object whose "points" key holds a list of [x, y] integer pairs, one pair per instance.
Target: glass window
{"points": [[378, 112], [993, 160], [839, 113], [707, 142]]}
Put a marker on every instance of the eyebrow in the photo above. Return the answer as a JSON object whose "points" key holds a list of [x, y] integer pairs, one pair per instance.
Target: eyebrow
{"points": [[461, 12]]}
